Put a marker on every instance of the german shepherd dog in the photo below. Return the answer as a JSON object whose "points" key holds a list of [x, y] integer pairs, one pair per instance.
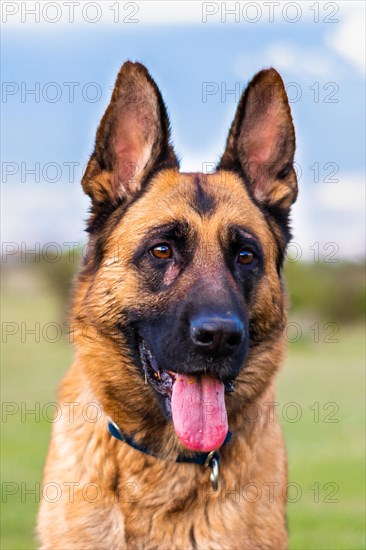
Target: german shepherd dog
{"points": [[168, 437]]}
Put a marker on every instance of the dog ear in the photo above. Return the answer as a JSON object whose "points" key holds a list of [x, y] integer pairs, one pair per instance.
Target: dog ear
{"points": [[261, 141], [133, 139]]}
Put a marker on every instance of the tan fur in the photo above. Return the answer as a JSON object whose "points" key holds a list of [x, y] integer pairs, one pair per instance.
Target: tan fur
{"points": [[147, 502]]}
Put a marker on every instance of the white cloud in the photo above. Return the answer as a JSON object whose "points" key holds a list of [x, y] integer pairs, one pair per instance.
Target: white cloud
{"points": [[332, 213], [348, 39], [346, 195], [160, 12], [41, 213], [289, 57], [345, 38], [124, 15]]}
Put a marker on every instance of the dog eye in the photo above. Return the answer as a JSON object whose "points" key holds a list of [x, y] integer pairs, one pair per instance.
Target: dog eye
{"points": [[246, 256], [161, 252]]}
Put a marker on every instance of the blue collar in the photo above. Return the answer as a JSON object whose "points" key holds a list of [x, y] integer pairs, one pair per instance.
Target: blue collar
{"points": [[202, 459]]}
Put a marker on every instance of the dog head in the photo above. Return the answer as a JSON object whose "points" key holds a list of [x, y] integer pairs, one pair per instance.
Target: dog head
{"points": [[182, 283]]}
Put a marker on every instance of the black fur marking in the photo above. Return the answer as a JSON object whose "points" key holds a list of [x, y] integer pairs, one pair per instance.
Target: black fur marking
{"points": [[204, 204], [233, 165], [100, 214], [276, 216], [94, 257], [241, 235], [192, 538], [114, 486], [207, 517], [247, 277], [285, 170], [282, 219]]}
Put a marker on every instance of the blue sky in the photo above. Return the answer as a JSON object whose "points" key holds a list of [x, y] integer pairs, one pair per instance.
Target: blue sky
{"points": [[321, 63]]}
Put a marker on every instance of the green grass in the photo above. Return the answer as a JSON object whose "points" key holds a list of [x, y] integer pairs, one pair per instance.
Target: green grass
{"points": [[29, 376], [326, 448], [319, 452]]}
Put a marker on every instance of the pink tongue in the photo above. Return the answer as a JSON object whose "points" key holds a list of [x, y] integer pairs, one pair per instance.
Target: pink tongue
{"points": [[199, 412]]}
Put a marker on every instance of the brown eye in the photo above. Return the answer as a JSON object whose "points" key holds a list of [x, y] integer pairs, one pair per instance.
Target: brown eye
{"points": [[245, 256], [161, 251]]}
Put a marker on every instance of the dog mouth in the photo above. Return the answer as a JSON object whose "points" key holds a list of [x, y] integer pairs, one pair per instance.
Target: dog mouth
{"points": [[195, 402]]}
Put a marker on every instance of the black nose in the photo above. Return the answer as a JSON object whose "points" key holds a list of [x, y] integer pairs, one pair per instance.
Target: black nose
{"points": [[216, 335]]}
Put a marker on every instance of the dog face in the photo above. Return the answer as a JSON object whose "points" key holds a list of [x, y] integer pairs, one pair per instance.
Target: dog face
{"points": [[182, 283]]}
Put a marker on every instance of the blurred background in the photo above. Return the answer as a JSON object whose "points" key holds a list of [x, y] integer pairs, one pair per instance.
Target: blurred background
{"points": [[59, 63]]}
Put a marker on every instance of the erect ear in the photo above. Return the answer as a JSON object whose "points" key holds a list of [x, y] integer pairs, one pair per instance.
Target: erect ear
{"points": [[261, 141], [132, 139]]}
